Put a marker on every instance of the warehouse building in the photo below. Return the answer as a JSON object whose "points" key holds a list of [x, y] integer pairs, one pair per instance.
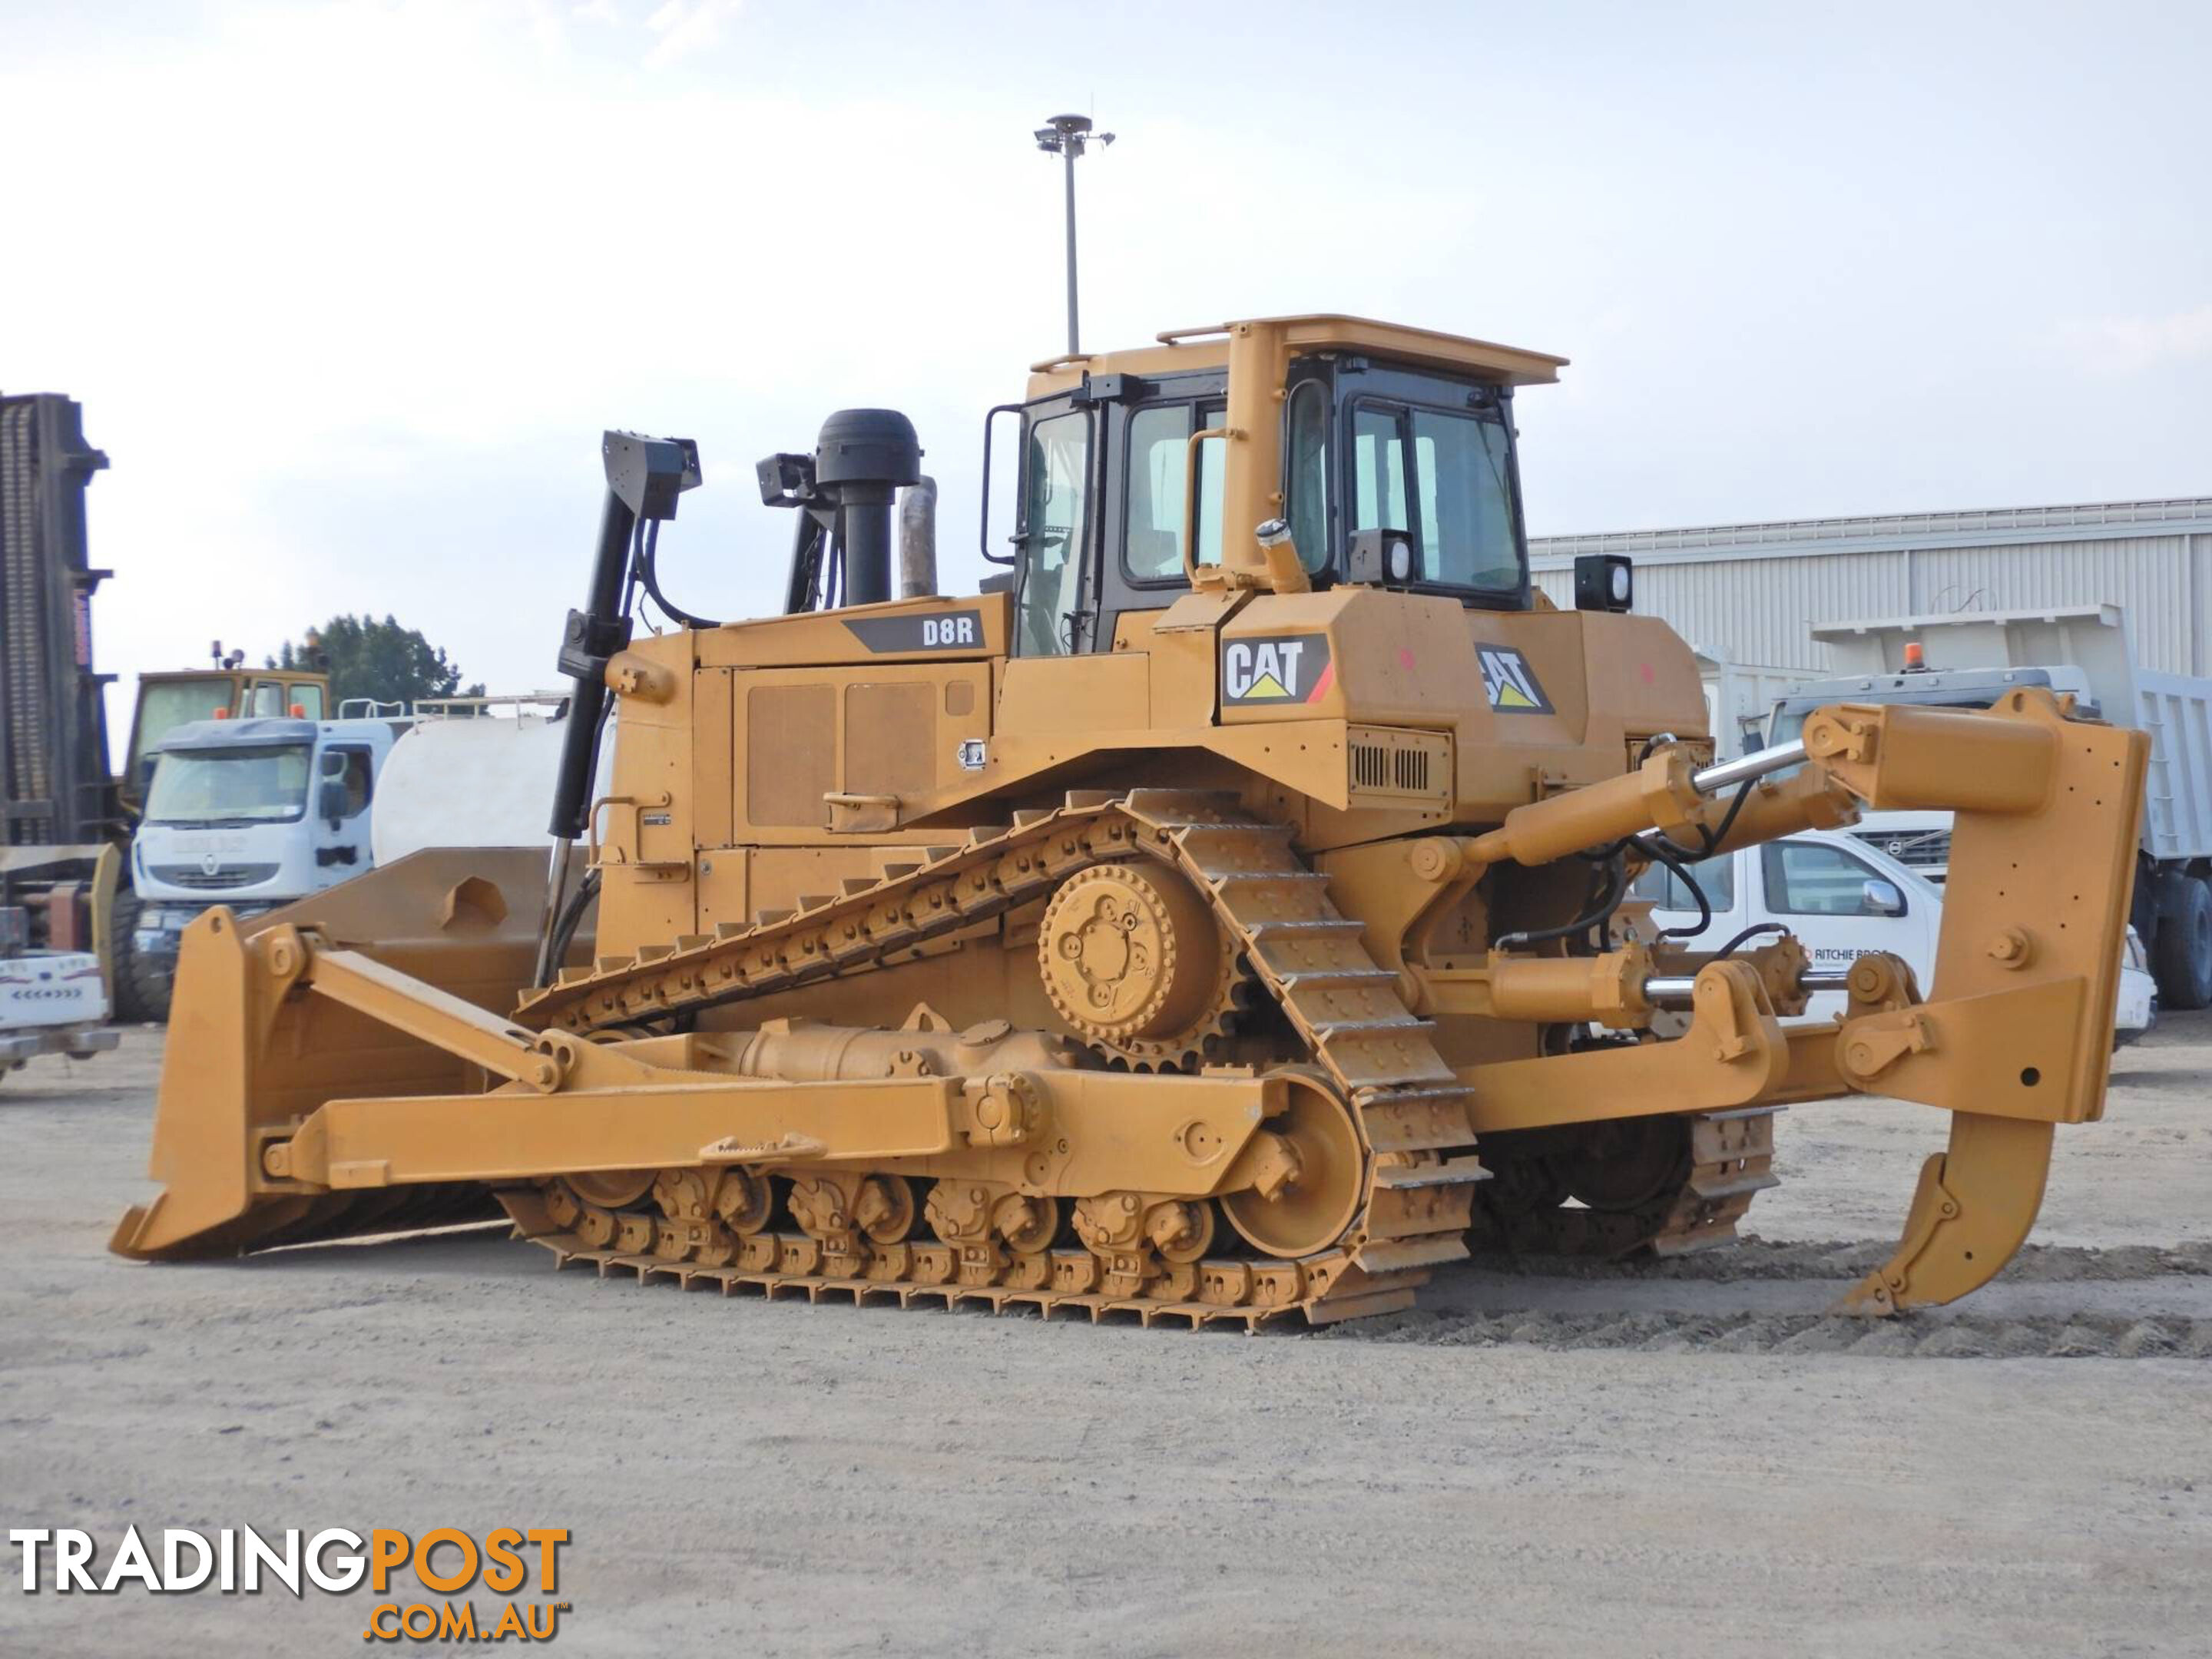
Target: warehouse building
{"points": [[1751, 593]]}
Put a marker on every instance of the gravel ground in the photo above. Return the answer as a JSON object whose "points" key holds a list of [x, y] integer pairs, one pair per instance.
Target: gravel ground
{"points": [[1546, 1458]]}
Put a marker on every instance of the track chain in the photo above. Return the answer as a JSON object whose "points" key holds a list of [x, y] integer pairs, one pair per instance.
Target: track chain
{"points": [[1408, 1103], [1726, 1159]]}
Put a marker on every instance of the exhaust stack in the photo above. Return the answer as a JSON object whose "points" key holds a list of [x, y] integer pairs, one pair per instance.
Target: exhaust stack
{"points": [[918, 539]]}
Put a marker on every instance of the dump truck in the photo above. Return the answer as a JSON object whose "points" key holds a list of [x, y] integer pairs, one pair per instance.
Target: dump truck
{"points": [[1740, 698], [1218, 920], [1967, 660]]}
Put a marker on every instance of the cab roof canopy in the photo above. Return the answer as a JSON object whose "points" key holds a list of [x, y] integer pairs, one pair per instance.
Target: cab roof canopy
{"points": [[1183, 348], [246, 733]]}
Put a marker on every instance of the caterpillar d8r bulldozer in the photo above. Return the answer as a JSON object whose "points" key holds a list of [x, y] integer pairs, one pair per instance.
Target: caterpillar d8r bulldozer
{"points": [[1219, 917]]}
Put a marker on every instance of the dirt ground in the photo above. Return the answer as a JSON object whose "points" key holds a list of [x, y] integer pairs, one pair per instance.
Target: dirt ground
{"points": [[1682, 1457]]}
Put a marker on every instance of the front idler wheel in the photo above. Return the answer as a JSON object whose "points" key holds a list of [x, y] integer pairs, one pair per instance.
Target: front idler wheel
{"points": [[1308, 1209]]}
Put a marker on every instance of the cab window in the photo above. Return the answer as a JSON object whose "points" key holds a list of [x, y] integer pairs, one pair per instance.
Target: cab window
{"points": [[1447, 476], [1467, 501], [164, 707], [1058, 466], [1308, 473], [349, 768], [1152, 504], [1378, 471], [1810, 878], [308, 699]]}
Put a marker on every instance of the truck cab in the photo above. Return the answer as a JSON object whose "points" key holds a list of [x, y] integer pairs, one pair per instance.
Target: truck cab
{"points": [[252, 813], [172, 698]]}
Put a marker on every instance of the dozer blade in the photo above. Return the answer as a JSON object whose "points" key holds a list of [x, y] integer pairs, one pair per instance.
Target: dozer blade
{"points": [[247, 1055]]}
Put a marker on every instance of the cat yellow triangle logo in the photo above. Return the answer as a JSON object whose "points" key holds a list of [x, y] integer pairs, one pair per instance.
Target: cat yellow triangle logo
{"points": [[1511, 684], [1266, 686]]}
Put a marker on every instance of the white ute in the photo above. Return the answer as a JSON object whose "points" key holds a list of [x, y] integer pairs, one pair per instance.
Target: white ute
{"points": [[1842, 898]]}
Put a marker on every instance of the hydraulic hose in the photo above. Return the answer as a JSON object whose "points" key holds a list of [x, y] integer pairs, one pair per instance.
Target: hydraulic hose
{"points": [[647, 556]]}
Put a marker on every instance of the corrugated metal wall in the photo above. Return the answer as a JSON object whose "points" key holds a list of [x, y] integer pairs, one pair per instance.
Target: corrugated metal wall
{"points": [[1750, 593]]}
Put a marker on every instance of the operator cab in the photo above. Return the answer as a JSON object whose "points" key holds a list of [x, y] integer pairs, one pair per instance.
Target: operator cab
{"points": [[1368, 444]]}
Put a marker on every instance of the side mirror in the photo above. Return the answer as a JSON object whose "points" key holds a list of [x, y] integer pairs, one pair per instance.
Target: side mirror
{"points": [[1881, 898], [330, 802], [984, 531]]}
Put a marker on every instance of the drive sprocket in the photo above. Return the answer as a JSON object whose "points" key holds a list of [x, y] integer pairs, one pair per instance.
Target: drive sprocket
{"points": [[1136, 965]]}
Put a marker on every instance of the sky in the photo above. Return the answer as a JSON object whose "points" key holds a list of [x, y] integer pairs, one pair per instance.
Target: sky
{"points": [[349, 291]]}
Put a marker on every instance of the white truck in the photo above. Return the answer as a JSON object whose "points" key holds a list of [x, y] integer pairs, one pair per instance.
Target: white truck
{"points": [[255, 813], [250, 814], [1842, 898], [1971, 658]]}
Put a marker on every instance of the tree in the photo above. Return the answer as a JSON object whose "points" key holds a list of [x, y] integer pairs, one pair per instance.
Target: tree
{"points": [[381, 660]]}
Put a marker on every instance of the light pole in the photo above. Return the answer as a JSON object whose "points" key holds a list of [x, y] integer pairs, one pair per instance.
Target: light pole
{"points": [[1067, 136]]}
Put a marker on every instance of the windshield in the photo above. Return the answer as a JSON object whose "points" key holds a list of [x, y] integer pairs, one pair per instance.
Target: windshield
{"points": [[163, 707], [229, 786], [1447, 477]]}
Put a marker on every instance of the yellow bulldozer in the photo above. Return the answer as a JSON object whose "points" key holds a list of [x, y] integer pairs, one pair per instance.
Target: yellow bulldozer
{"points": [[1221, 917]]}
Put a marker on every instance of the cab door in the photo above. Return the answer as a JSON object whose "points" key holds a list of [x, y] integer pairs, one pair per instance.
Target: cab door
{"points": [[1103, 490], [345, 785], [1146, 492], [1056, 535]]}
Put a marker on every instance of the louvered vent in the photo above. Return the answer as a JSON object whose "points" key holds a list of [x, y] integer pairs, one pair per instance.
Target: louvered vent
{"points": [[1370, 766], [1410, 771], [1402, 765]]}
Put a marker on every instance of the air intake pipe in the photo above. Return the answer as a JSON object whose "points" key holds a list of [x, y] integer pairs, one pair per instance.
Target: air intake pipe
{"points": [[842, 495], [861, 460]]}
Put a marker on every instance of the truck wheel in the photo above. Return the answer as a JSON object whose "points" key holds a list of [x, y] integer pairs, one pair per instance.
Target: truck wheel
{"points": [[2182, 952], [142, 986]]}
